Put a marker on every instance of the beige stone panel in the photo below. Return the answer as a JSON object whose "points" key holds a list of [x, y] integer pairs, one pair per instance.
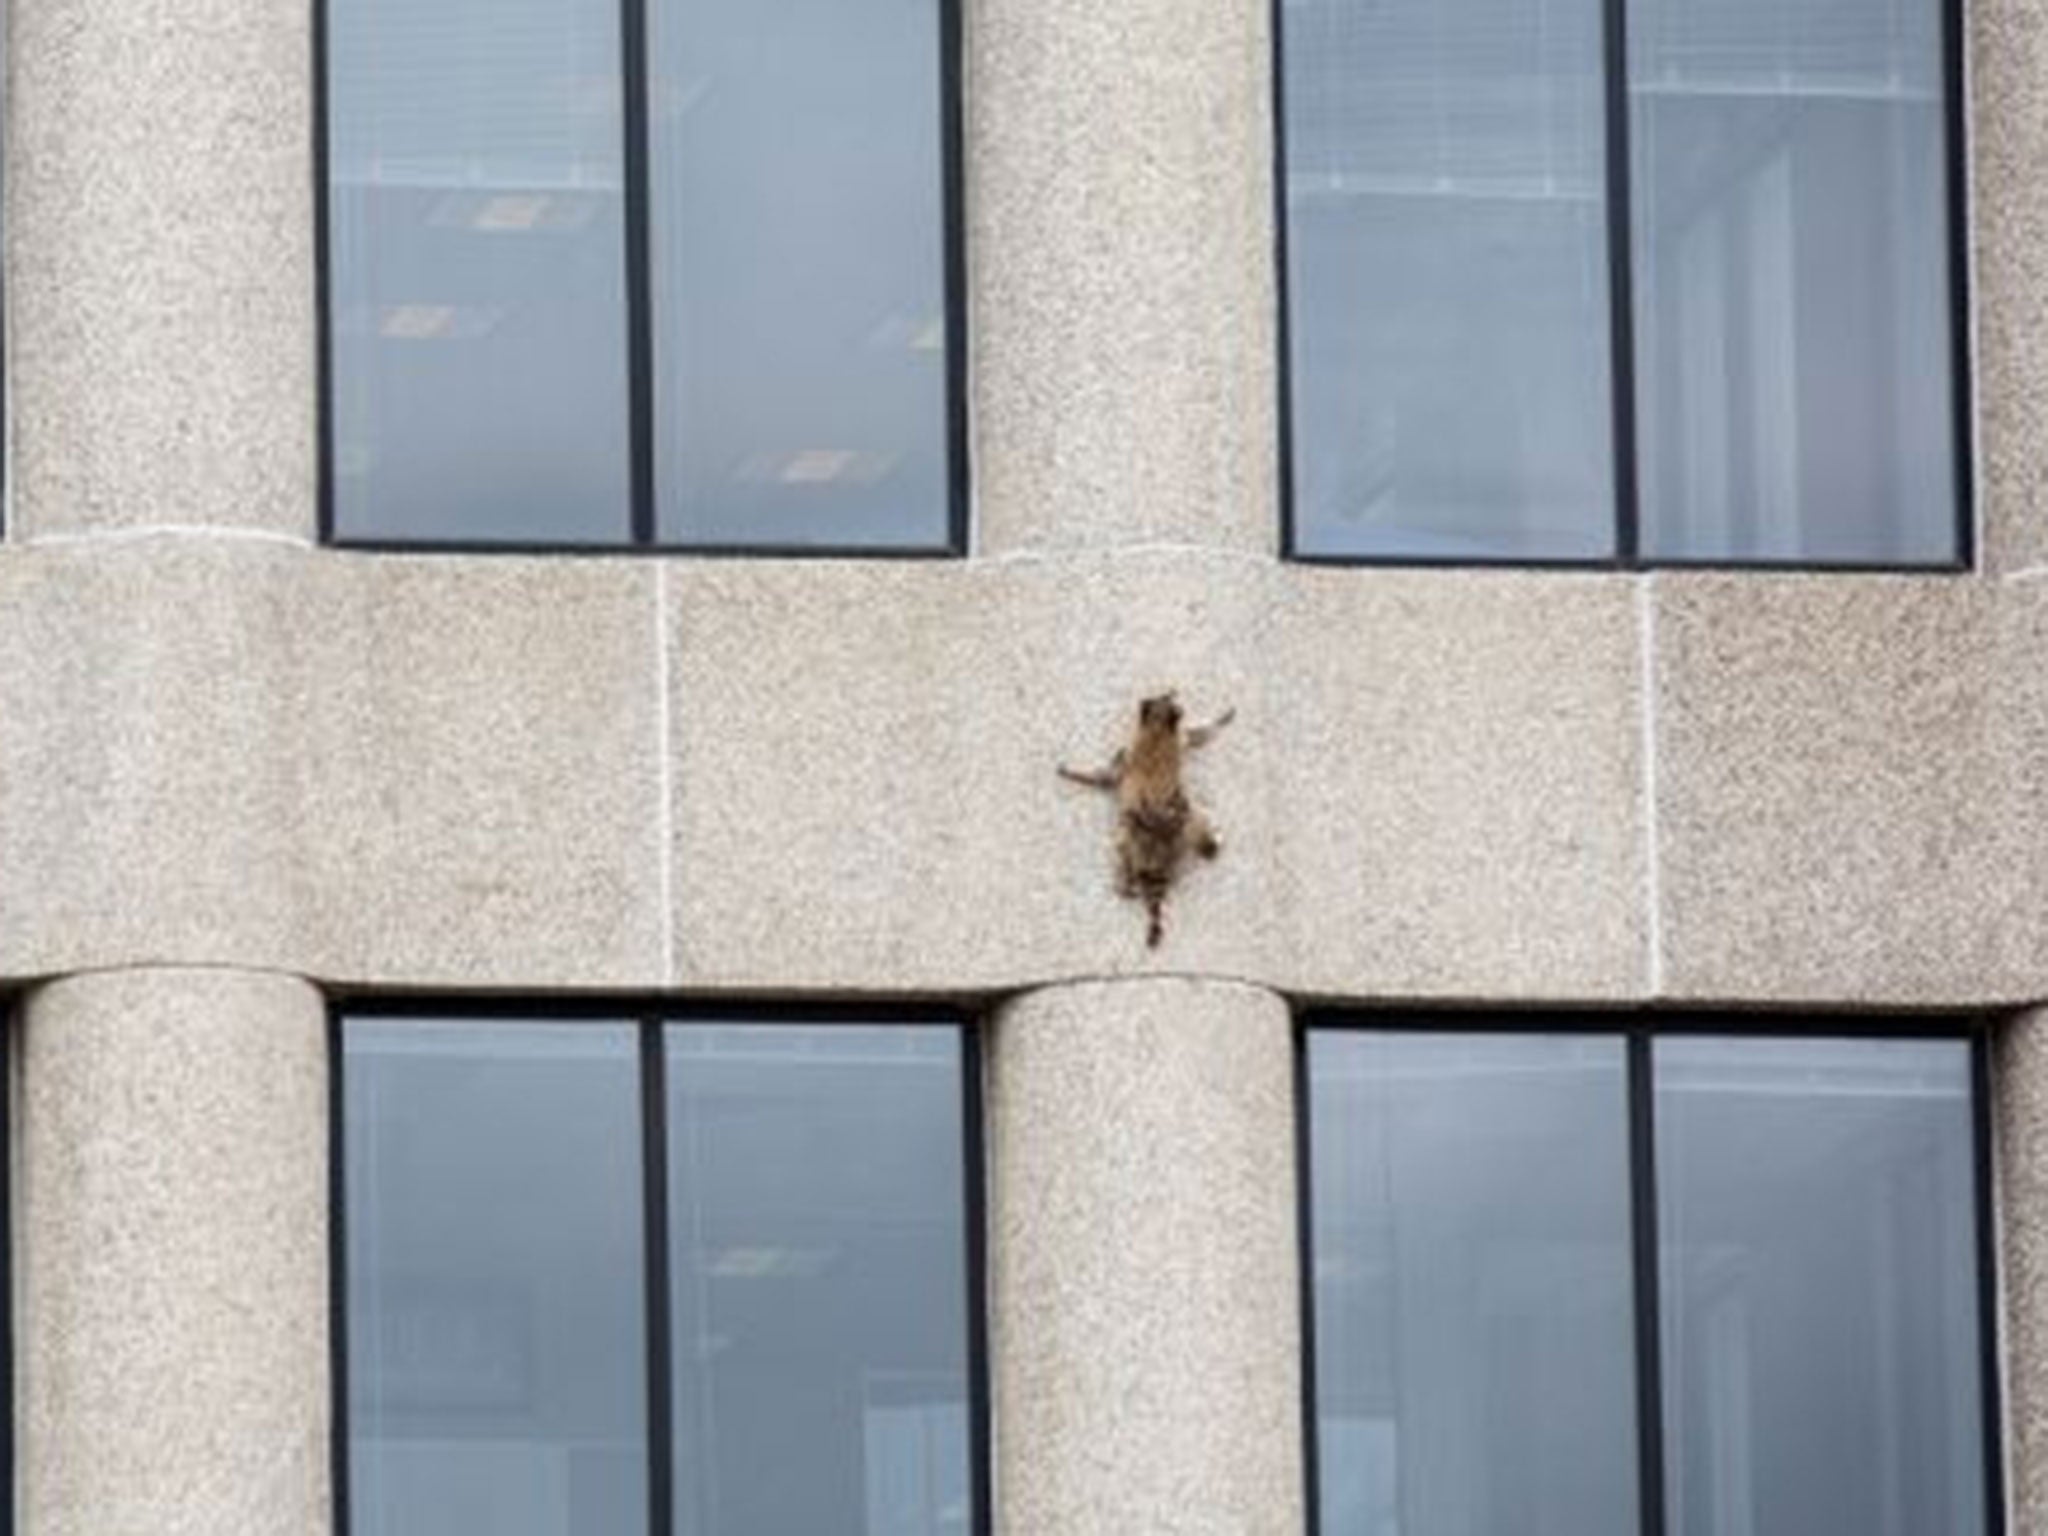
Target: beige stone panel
{"points": [[150, 799], [1121, 279], [1832, 795], [2015, 904], [864, 759], [171, 1257], [483, 756], [2009, 144], [370, 769], [1459, 784], [1146, 1331], [160, 273]]}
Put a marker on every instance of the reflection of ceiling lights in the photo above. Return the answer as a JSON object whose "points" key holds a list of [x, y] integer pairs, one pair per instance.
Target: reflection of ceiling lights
{"points": [[769, 1263], [909, 333], [816, 466], [513, 212], [520, 210], [435, 322]]}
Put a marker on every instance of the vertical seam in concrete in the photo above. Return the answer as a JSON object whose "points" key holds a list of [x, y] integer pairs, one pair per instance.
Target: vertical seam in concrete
{"points": [[1653, 875], [665, 773]]}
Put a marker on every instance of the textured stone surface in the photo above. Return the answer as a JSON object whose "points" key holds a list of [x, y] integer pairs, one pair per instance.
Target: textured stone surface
{"points": [[864, 769], [150, 800], [171, 1257], [1459, 784], [1120, 245], [483, 770], [1146, 1336], [1832, 792], [2009, 145], [367, 769], [160, 264], [1431, 787]]}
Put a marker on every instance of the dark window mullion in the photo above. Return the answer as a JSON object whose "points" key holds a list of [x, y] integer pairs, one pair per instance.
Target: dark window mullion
{"points": [[1621, 323], [1642, 1123], [654, 1244], [1986, 1257], [974, 1197], [639, 317]]}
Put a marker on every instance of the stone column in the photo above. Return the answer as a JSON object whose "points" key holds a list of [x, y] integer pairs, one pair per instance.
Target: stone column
{"points": [[171, 1256], [159, 266], [1146, 1307], [1121, 284]]}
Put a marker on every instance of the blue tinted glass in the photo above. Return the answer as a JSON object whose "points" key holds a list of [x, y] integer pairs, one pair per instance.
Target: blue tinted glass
{"points": [[1447, 278], [1816, 1216], [477, 270], [497, 1377], [818, 1261], [1474, 1328], [1795, 387], [798, 272]]}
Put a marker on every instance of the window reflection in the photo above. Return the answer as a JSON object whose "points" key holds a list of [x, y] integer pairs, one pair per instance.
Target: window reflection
{"points": [[1474, 1327], [817, 1253], [1817, 1219], [496, 1354], [495, 1216], [799, 279], [1795, 380], [477, 268], [1447, 272]]}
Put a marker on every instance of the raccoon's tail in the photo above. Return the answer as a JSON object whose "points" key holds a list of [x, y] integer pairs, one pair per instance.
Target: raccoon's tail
{"points": [[1155, 918]]}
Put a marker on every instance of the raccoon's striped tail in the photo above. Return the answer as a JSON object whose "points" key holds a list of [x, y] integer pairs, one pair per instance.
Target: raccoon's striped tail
{"points": [[1155, 918]]}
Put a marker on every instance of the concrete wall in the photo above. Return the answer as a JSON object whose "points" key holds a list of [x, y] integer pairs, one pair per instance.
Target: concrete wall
{"points": [[236, 768]]}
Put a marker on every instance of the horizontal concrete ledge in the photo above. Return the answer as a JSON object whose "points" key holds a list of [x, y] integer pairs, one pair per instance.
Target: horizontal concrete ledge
{"points": [[837, 778]]}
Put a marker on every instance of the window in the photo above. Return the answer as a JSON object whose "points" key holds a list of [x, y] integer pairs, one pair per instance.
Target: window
{"points": [[677, 272], [1604, 1280], [1624, 281], [701, 1276]]}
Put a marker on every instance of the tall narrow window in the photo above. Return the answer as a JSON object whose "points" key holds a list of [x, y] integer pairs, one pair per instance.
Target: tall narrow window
{"points": [[799, 272], [1795, 363], [1447, 279], [1624, 281], [1816, 1213], [1475, 1350], [477, 272], [674, 273], [658, 1277]]}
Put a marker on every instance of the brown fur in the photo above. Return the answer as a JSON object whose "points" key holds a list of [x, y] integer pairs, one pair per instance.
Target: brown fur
{"points": [[1156, 825]]}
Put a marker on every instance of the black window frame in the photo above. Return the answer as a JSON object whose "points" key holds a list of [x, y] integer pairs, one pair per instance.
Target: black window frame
{"points": [[1638, 1032], [649, 1016], [1627, 555], [642, 534]]}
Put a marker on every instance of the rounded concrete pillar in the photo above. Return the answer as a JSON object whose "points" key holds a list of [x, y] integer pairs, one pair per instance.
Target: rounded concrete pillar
{"points": [[171, 1257], [1121, 284], [160, 275], [1145, 1330]]}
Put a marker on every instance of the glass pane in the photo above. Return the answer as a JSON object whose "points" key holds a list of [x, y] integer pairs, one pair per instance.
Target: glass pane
{"points": [[1817, 1219], [1447, 278], [799, 273], [497, 1378], [477, 270], [818, 1259], [1795, 393], [1474, 1332]]}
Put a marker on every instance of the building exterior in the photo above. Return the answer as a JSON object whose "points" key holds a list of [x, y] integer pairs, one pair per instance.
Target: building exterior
{"points": [[250, 780]]}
